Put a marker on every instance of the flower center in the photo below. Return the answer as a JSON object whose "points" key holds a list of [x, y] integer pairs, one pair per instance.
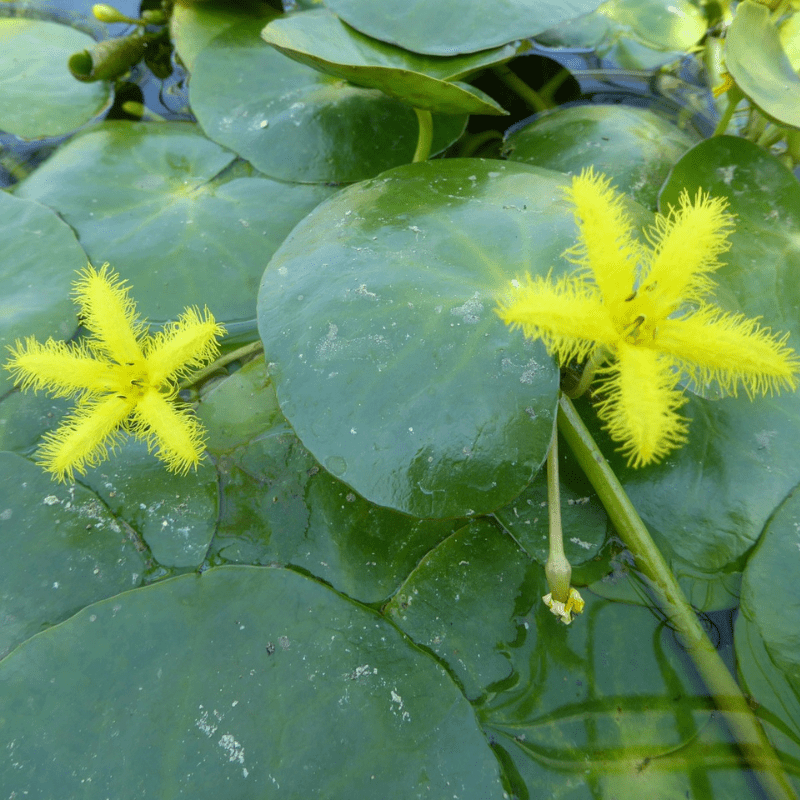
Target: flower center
{"points": [[638, 318], [133, 380]]}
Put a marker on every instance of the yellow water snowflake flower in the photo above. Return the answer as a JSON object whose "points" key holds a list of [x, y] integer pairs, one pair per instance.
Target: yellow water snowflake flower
{"points": [[646, 309], [123, 378]]}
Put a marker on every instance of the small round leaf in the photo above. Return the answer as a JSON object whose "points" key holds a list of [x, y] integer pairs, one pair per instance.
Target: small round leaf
{"points": [[38, 96]]}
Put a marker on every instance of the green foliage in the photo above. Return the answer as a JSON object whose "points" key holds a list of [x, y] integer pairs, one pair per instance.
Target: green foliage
{"points": [[388, 359], [185, 204], [321, 40], [291, 125], [344, 600], [38, 97], [765, 74], [635, 145]]}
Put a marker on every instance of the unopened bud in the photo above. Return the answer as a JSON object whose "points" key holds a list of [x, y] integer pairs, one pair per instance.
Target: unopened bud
{"points": [[106, 13]]}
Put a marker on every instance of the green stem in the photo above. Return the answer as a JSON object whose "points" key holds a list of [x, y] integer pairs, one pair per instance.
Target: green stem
{"points": [[793, 146], [771, 135], [425, 138], [519, 87], [726, 693], [558, 570], [234, 355], [734, 97], [596, 360]]}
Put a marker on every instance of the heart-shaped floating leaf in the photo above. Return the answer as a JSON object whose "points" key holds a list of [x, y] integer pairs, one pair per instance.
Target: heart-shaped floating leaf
{"points": [[62, 549], [38, 258], [635, 145], [240, 682], [159, 201], [193, 25], [755, 58], [709, 501], [38, 96], [450, 27], [322, 41], [377, 317], [279, 507], [297, 124]]}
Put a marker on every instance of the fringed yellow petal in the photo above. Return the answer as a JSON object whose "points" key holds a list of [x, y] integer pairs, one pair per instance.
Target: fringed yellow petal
{"points": [[175, 434], [109, 314], [640, 405], [606, 244], [568, 315], [730, 349], [84, 437], [686, 245], [63, 370], [183, 345]]}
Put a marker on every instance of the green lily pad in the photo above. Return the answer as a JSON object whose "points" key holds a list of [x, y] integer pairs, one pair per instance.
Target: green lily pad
{"points": [[24, 417], [436, 606], [155, 200], [771, 589], [38, 258], [707, 504], [38, 96], [241, 682], [279, 507], [320, 40], [175, 514], [297, 124], [193, 25], [450, 27], [757, 62], [664, 25], [789, 33], [377, 318], [635, 145], [633, 34], [62, 549]]}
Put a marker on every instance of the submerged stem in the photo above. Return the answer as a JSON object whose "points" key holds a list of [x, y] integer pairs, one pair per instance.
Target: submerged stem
{"points": [[725, 692], [425, 138], [531, 97]]}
